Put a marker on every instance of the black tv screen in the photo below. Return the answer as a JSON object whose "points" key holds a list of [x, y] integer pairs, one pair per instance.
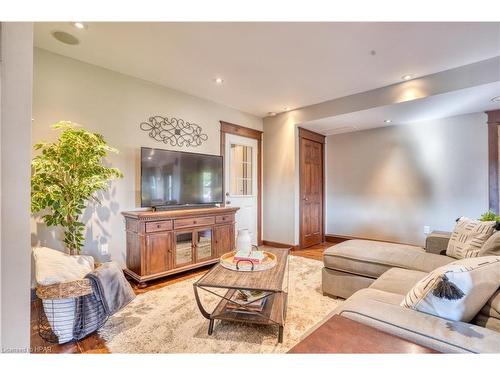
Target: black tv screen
{"points": [[174, 178]]}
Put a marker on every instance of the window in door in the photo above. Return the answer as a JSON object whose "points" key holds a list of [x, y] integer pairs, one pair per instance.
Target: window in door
{"points": [[241, 170]]}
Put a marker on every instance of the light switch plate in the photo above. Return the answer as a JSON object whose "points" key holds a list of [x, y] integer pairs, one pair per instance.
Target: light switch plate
{"points": [[427, 229], [104, 249]]}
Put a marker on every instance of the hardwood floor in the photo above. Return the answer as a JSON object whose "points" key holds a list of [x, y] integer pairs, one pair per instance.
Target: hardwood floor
{"points": [[94, 344]]}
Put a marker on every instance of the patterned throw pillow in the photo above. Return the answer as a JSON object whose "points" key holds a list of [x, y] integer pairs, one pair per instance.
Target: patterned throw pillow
{"points": [[468, 237], [456, 291]]}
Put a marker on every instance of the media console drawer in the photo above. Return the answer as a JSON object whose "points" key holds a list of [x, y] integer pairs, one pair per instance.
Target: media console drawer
{"points": [[193, 222], [224, 218], [158, 226]]}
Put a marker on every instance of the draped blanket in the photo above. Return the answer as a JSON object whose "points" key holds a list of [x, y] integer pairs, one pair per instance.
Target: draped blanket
{"points": [[111, 292]]}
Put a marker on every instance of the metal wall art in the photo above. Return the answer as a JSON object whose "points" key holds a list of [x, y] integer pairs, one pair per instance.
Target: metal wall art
{"points": [[173, 131]]}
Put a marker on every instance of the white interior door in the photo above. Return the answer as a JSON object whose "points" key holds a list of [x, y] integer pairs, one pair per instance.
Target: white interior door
{"points": [[241, 181]]}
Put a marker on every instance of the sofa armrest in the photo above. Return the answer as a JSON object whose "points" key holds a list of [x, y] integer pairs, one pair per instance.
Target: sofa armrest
{"points": [[381, 310], [437, 242]]}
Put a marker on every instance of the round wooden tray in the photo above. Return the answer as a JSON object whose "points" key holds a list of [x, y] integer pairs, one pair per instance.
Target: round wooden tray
{"points": [[227, 261]]}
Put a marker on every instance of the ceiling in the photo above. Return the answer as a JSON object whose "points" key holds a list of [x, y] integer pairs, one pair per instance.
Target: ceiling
{"points": [[453, 103], [269, 66]]}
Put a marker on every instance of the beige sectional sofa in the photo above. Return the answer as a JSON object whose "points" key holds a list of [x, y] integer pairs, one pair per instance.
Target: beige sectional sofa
{"points": [[375, 276]]}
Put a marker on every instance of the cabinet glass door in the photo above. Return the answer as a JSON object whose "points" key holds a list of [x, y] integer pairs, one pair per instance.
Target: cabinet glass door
{"points": [[183, 248], [204, 244]]}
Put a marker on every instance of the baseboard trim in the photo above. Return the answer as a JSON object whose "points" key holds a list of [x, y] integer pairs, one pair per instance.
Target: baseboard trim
{"points": [[280, 245], [337, 238]]}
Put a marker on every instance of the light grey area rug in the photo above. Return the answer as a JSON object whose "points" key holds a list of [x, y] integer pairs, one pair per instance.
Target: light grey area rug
{"points": [[167, 320]]}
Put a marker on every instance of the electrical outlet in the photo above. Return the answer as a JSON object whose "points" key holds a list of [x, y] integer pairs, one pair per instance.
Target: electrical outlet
{"points": [[104, 249], [427, 229]]}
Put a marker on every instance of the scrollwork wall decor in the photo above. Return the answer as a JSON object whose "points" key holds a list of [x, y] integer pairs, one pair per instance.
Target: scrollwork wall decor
{"points": [[174, 131]]}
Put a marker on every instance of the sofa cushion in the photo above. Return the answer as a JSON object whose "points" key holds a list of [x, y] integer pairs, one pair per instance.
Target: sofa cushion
{"points": [[487, 322], [468, 237], [458, 290], [373, 258], [491, 246], [380, 310], [398, 280], [492, 307]]}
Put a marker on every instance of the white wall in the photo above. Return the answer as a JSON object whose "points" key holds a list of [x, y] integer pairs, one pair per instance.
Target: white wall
{"points": [[387, 183], [114, 105], [16, 52]]}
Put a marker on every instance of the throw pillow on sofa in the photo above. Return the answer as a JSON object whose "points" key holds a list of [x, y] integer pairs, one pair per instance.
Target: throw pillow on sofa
{"points": [[468, 237], [456, 291]]}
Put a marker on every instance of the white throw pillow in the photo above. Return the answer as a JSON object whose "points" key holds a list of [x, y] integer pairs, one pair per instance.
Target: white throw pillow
{"points": [[53, 267], [468, 237], [456, 291]]}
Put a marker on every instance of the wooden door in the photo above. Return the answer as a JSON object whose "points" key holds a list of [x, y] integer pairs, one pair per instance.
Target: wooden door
{"points": [[311, 188], [158, 248], [223, 239]]}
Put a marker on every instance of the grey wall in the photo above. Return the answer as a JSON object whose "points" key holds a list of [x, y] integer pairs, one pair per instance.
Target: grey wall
{"points": [[16, 92], [114, 105], [281, 167], [387, 183]]}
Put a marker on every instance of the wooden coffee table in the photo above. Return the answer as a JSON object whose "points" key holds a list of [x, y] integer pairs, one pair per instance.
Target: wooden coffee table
{"points": [[223, 283], [342, 335]]}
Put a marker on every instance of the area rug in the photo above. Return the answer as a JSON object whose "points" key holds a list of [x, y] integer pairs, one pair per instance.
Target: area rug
{"points": [[167, 320]]}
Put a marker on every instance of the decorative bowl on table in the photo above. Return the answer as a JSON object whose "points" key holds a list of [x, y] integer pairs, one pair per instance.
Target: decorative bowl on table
{"points": [[228, 261]]}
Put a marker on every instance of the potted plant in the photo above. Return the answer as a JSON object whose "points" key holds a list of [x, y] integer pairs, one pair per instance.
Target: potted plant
{"points": [[66, 175]]}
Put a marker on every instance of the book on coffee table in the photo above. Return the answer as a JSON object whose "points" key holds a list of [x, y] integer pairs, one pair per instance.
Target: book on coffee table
{"points": [[252, 256], [247, 301]]}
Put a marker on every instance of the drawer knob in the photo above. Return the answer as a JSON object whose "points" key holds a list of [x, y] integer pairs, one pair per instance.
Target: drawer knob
{"points": [[223, 218], [158, 225], [194, 221]]}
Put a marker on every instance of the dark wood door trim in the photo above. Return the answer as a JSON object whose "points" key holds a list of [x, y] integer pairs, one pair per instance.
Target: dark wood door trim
{"points": [[228, 128], [493, 188], [315, 137], [312, 136]]}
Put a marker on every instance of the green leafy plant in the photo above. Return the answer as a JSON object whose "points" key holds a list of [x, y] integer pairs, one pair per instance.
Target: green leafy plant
{"points": [[66, 176], [489, 216]]}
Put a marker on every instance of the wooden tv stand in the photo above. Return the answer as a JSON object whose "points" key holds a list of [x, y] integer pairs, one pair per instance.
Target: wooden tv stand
{"points": [[163, 243]]}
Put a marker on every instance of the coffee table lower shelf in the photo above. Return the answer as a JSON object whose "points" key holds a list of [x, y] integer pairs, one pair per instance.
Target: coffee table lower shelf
{"points": [[273, 313]]}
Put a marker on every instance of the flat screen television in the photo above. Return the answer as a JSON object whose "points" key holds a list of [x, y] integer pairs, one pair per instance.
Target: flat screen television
{"points": [[175, 178]]}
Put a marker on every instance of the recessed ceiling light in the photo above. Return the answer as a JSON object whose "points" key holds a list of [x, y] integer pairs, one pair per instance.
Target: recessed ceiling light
{"points": [[406, 77], [271, 113], [287, 108], [495, 99], [387, 121], [79, 25], [218, 81], [65, 38]]}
